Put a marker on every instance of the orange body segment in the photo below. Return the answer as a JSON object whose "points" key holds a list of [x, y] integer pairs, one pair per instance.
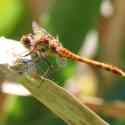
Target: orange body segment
{"points": [[66, 53]]}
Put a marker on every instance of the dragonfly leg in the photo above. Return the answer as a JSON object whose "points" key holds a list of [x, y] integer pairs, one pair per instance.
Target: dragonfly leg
{"points": [[49, 69], [30, 52], [43, 55]]}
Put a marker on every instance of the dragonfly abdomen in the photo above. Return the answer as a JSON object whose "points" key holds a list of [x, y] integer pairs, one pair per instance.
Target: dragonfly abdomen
{"points": [[68, 54]]}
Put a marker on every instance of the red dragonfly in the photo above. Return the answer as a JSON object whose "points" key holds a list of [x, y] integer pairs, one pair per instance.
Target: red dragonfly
{"points": [[41, 37]]}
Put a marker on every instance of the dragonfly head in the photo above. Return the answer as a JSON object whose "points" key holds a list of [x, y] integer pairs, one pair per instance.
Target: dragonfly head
{"points": [[27, 40]]}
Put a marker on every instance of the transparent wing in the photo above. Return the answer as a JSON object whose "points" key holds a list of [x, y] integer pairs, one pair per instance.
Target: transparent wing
{"points": [[37, 30]]}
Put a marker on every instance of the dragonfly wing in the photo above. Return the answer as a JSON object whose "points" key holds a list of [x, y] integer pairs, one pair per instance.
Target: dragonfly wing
{"points": [[38, 30]]}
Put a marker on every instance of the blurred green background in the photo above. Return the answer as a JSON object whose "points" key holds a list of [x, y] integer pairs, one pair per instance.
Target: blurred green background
{"points": [[72, 21]]}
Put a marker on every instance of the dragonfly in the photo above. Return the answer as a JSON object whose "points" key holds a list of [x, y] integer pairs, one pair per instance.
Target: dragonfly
{"points": [[40, 38]]}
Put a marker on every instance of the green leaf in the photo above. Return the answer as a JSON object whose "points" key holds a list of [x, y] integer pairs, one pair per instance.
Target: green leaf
{"points": [[61, 102]]}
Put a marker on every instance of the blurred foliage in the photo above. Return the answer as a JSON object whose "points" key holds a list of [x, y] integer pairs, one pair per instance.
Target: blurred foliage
{"points": [[10, 12], [27, 111], [70, 20]]}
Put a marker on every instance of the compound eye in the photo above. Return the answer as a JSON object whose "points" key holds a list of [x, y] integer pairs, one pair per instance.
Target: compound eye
{"points": [[27, 40]]}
